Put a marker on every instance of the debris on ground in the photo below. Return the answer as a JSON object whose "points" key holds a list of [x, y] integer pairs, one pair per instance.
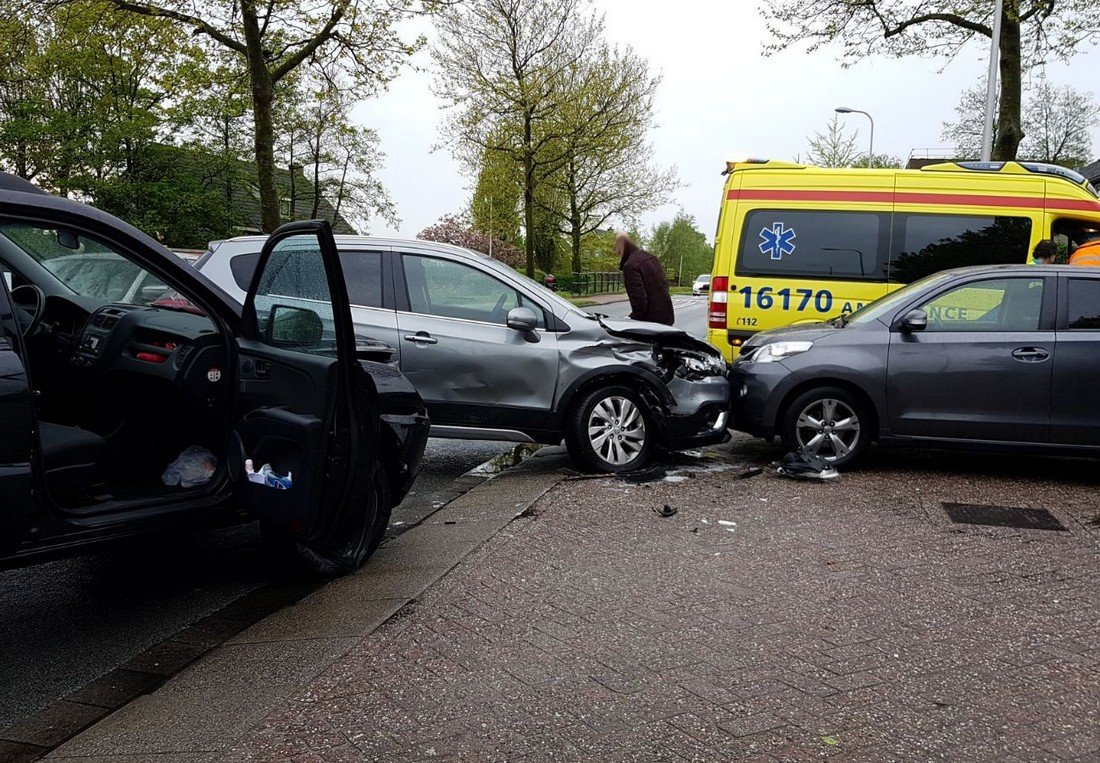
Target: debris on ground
{"points": [[801, 465], [667, 511], [754, 471], [650, 474]]}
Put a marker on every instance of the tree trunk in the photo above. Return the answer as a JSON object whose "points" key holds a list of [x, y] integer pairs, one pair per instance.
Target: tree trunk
{"points": [[529, 195], [1009, 130], [263, 97]]}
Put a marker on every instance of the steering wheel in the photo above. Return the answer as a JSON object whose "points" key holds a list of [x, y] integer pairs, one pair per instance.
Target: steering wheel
{"points": [[29, 318]]}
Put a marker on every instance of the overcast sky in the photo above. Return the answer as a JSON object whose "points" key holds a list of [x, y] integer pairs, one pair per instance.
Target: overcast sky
{"points": [[720, 99]]}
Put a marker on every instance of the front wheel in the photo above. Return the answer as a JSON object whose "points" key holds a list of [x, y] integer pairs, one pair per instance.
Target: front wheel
{"points": [[829, 422], [344, 546], [611, 430]]}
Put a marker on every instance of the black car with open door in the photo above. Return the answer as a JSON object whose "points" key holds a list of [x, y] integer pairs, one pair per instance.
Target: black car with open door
{"points": [[119, 417]]}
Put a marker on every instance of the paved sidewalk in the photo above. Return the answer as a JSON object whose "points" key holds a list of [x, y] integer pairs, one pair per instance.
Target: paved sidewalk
{"points": [[849, 619]]}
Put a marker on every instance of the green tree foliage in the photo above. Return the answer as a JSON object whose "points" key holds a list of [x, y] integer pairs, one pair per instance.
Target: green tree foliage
{"points": [[1031, 31], [605, 170], [682, 247], [1057, 124], [498, 193], [502, 70], [273, 39], [81, 90]]}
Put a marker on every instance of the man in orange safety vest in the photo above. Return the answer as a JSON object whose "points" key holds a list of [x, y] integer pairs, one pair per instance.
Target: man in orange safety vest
{"points": [[1087, 254]]}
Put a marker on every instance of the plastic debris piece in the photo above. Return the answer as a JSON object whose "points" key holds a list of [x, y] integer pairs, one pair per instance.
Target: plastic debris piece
{"points": [[667, 511], [831, 741], [727, 523], [193, 467], [638, 476], [800, 465]]}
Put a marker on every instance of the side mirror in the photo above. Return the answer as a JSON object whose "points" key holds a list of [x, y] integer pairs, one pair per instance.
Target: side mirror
{"points": [[68, 240], [524, 320], [293, 326], [914, 320]]}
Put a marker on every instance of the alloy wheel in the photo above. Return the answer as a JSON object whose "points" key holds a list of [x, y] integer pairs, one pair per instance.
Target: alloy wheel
{"points": [[616, 430], [828, 428]]}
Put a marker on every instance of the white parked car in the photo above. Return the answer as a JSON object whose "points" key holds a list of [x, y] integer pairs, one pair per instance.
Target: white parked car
{"points": [[701, 285]]}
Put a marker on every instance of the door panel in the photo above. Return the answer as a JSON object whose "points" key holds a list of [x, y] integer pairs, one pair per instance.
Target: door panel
{"points": [[456, 349], [982, 368], [301, 409], [1075, 406]]}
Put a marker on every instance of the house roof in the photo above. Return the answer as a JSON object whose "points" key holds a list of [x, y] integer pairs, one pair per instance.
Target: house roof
{"points": [[1092, 172]]}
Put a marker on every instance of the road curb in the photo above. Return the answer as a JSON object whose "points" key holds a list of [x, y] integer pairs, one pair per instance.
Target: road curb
{"points": [[199, 691]]}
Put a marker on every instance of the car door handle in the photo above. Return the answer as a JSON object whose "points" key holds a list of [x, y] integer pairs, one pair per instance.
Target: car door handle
{"points": [[1030, 354], [421, 337]]}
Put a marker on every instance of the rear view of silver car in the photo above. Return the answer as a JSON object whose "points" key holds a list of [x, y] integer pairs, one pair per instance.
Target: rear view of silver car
{"points": [[496, 356]]}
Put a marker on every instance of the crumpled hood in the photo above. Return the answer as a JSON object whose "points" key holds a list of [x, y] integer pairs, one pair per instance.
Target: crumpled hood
{"points": [[656, 334]]}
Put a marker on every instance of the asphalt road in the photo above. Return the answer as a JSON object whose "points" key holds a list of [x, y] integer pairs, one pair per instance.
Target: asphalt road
{"points": [[66, 623], [691, 313]]}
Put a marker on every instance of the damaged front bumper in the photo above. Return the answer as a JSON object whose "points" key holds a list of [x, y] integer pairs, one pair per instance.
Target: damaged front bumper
{"points": [[700, 414]]}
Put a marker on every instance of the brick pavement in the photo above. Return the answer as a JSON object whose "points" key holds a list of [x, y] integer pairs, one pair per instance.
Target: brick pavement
{"points": [[847, 620]]}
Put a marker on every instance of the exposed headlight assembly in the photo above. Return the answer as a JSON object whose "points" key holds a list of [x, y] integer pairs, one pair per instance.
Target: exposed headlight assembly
{"points": [[702, 365], [770, 353]]}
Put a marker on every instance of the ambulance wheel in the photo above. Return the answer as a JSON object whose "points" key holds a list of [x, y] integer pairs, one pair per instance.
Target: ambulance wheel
{"points": [[343, 548], [610, 430], [829, 422]]}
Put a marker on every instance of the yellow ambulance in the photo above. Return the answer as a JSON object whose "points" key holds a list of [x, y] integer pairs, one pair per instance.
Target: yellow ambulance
{"points": [[798, 243]]}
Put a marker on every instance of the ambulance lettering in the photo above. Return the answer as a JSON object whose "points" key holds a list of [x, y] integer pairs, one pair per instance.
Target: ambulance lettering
{"points": [[788, 300]]}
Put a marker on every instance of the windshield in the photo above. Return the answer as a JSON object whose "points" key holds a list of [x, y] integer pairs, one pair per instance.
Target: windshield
{"points": [[887, 304], [85, 266]]}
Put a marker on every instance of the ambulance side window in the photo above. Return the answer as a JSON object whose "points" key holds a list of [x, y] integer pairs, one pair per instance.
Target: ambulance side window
{"points": [[814, 244], [926, 244]]}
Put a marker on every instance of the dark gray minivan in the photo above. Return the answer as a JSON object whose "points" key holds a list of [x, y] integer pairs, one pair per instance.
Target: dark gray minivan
{"points": [[1003, 357]]}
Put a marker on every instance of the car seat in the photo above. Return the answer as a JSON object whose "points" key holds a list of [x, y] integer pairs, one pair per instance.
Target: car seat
{"points": [[69, 457]]}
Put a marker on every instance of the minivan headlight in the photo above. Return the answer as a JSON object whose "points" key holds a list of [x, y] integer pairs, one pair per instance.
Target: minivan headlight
{"points": [[770, 353]]}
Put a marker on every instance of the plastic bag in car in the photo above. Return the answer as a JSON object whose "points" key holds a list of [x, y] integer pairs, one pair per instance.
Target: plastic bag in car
{"points": [[193, 467]]}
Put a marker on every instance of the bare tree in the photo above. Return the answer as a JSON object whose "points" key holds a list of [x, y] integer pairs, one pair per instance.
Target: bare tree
{"points": [[502, 65], [834, 147], [1031, 30]]}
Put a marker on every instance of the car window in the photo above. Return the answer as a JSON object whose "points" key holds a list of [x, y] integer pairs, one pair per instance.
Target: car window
{"points": [[293, 302], [449, 289], [924, 244], [1083, 304], [86, 266], [814, 244], [362, 275], [1003, 304]]}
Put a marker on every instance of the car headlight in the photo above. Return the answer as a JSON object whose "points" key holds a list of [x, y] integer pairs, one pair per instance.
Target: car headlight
{"points": [[770, 353], [704, 365]]}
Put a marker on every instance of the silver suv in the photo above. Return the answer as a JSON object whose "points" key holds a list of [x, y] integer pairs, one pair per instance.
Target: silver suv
{"points": [[497, 356]]}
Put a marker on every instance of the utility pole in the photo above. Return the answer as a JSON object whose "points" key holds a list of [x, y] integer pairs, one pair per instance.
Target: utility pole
{"points": [[991, 83]]}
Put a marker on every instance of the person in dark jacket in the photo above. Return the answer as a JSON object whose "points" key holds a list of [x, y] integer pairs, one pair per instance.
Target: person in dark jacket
{"points": [[646, 284]]}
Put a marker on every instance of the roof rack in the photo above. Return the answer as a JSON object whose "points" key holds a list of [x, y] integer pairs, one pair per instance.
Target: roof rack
{"points": [[1018, 167]]}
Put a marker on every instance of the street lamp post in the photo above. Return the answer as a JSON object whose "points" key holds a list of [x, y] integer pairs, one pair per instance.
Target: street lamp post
{"points": [[991, 83], [871, 148]]}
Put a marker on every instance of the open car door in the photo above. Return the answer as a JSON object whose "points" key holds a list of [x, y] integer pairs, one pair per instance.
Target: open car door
{"points": [[306, 436]]}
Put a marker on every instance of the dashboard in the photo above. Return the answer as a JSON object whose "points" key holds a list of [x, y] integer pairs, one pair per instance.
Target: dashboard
{"points": [[178, 347]]}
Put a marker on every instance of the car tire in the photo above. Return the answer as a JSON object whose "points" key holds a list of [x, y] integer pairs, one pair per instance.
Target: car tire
{"points": [[344, 547], [830, 422], [627, 436]]}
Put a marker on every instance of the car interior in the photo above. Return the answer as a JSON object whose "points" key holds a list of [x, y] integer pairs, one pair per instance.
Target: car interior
{"points": [[120, 388]]}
